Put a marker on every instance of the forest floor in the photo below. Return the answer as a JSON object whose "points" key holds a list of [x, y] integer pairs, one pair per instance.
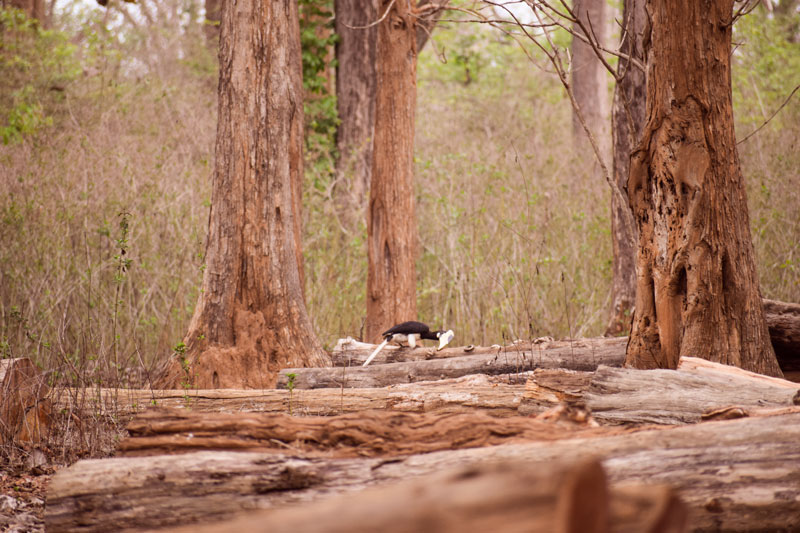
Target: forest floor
{"points": [[22, 498]]}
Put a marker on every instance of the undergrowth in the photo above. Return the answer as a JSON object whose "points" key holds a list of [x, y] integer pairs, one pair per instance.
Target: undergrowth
{"points": [[108, 133]]}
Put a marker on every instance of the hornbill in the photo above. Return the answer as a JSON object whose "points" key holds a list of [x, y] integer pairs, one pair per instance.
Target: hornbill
{"points": [[410, 332]]}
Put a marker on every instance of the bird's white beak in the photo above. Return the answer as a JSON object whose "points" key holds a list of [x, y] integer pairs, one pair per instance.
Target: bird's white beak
{"points": [[445, 339]]}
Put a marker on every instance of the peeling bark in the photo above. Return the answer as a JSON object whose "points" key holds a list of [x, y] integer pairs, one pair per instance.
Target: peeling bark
{"points": [[697, 292]]}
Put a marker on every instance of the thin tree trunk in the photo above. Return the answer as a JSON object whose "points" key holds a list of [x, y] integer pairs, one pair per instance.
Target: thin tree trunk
{"points": [[697, 291], [627, 122], [250, 319], [211, 27], [391, 224], [355, 99], [588, 78]]}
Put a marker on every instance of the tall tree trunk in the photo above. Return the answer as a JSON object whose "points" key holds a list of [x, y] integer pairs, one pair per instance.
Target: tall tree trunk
{"points": [[697, 291], [355, 98], [391, 223], [250, 319], [589, 78], [213, 13], [628, 115]]}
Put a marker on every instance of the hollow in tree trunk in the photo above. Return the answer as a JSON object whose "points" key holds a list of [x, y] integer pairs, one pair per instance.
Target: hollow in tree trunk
{"points": [[251, 319], [627, 121], [697, 291], [391, 223]]}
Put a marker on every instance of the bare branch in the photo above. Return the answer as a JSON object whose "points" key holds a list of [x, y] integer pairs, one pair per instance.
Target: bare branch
{"points": [[771, 116]]}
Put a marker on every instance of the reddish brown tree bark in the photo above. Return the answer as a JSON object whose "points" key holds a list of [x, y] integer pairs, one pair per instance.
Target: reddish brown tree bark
{"points": [[589, 78], [250, 319], [697, 291], [391, 222], [213, 13], [627, 121]]}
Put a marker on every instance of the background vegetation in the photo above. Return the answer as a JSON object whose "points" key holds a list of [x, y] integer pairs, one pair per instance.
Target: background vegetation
{"points": [[108, 125]]}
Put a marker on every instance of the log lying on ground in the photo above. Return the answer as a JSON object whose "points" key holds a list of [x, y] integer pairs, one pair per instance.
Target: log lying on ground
{"points": [[24, 406], [734, 475], [783, 321], [492, 394], [349, 352], [697, 388], [563, 497], [581, 355], [366, 434]]}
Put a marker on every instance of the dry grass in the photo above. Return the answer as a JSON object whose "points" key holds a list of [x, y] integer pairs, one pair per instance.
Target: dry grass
{"points": [[514, 234]]}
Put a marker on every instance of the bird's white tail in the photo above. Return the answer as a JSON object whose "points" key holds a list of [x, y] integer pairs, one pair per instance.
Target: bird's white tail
{"points": [[373, 354]]}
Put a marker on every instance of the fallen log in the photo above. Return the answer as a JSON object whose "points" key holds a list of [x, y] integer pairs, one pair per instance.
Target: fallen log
{"points": [[585, 355], [783, 321], [491, 394], [24, 406], [734, 475], [509, 496], [629, 396], [363, 434], [350, 352]]}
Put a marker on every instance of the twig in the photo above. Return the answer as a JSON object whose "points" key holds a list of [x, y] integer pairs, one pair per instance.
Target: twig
{"points": [[771, 117], [371, 24]]}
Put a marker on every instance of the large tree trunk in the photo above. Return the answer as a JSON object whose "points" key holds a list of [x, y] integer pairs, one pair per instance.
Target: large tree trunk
{"points": [[251, 320], [391, 223], [588, 77], [355, 99], [627, 122], [697, 291]]}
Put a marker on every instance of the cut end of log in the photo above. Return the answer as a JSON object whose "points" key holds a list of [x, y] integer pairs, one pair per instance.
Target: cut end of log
{"points": [[24, 406]]}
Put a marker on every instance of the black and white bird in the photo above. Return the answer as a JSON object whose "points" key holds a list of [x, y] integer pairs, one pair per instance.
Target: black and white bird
{"points": [[411, 332]]}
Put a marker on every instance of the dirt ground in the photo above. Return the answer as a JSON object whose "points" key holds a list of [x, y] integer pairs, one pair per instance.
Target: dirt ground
{"points": [[22, 497]]}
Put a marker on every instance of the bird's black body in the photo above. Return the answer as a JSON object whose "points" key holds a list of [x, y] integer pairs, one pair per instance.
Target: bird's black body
{"points": [[410, 332], [411, 327]]}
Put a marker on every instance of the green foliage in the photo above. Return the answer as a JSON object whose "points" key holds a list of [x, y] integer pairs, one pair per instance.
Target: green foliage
{"points": [[317, 41], [35, 67]]}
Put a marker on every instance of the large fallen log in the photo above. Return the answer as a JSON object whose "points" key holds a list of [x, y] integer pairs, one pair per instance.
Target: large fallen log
{"points": [[735, 475], [491, 394], [508, 496], [698, 389], [364, 434], [24, 406], [586, 355], [350, 352]]}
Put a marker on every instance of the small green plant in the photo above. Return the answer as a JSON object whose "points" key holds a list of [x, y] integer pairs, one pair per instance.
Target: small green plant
{"points": [[290, 385]]}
